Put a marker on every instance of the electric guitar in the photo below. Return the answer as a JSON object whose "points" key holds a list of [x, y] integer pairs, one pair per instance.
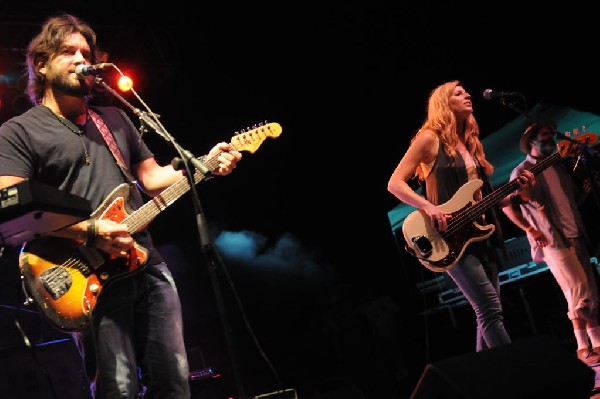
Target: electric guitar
{"points": [[65, 279], [440, 251]]}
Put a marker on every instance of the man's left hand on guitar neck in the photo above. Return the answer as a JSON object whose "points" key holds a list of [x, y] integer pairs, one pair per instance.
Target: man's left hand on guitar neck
{"points": [[526, 180]]}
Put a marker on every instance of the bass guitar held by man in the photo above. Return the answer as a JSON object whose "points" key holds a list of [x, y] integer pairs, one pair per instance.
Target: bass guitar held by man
{"points": [[440, 250]]}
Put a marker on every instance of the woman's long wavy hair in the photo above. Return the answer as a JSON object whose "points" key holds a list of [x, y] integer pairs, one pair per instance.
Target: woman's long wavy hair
{"points": [[47, 43], [442, 121]]}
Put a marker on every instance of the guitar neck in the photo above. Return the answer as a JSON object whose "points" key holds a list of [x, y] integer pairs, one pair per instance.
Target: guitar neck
{"points": [[245, 141], [504, 190], [147, 212]]}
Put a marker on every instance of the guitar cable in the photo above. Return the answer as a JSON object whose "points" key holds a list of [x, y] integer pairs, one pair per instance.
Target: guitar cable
{"points": [[24, 336], [28, 345], [31, 348]]}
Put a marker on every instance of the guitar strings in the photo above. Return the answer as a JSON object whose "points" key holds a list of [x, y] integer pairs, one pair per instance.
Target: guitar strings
{"points": [[140, 218], [467, 216]]}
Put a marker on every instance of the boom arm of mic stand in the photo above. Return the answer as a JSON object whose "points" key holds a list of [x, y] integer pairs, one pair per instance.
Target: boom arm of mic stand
{"points": [[149, 121]]}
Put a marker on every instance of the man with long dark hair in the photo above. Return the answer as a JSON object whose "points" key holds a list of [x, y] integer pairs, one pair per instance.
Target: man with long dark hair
{"points": [[137, 326]]}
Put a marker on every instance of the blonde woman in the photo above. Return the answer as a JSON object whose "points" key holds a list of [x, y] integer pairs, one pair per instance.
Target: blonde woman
{"points": [[445, 154]]}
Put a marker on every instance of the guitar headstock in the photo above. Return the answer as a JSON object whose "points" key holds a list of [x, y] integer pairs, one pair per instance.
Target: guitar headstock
{"points": [[250, 139], [567, 148]]}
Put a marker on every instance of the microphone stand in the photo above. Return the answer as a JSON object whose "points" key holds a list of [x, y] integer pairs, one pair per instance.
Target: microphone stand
{"points": [[585, 153], [208, 248]]}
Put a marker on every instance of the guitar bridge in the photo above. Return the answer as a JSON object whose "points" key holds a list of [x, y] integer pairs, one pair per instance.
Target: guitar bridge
{"points": [[57, 281]]}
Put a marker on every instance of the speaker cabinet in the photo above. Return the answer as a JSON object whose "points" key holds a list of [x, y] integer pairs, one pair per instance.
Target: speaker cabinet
{"points": [[536, 367]]}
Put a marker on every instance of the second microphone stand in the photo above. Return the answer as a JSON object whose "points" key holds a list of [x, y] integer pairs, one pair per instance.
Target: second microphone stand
{"points": [[584, 151]]}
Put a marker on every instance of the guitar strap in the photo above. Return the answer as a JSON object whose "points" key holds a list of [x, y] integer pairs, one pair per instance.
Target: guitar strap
{"points": [[112, 146]]}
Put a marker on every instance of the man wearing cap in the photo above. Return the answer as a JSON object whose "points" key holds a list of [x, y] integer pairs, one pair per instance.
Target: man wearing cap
{"points": [[549, 215]]}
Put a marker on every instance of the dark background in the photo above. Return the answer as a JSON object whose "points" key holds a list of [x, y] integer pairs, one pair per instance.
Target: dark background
{"points": [[302, 223]]}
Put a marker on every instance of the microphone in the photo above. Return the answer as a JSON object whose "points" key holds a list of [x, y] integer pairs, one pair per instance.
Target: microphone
{"points": [[488, 94], [87, 70]]}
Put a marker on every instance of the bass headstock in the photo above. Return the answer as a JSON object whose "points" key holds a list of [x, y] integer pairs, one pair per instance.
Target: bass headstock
{"points": [[570, 148]]}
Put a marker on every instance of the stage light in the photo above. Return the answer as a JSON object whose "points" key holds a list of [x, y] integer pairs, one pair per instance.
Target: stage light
{"points": [[125, 83]]}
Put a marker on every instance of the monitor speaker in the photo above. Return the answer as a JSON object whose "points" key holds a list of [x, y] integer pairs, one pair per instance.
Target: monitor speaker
{"points": [[536, 367]]}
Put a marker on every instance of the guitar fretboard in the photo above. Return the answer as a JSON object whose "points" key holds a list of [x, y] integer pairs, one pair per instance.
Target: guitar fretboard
{"points": [[469, 215], [147, 212], [245, 141]]}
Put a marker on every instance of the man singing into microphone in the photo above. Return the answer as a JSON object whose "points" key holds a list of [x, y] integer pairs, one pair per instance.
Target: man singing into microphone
{"points": [[556, 233], [88, 70], [137, 324]]}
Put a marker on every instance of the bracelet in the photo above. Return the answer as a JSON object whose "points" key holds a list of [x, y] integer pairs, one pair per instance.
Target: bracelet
{"points": [[90, 235], [528, 229]]}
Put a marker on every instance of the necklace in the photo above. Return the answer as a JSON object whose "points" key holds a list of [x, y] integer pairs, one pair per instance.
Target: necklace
{"points": [[79, 132]]}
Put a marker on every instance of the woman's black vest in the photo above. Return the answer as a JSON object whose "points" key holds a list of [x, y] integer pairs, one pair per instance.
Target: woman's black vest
{"points": [[446, 178]]}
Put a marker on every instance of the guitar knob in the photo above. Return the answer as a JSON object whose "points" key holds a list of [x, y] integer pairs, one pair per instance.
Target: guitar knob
{"points": [[104, 276], [94, 288]]}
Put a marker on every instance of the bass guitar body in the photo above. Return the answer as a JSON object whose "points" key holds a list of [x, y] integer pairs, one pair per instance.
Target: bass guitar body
{"points": [[439, 251]]}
